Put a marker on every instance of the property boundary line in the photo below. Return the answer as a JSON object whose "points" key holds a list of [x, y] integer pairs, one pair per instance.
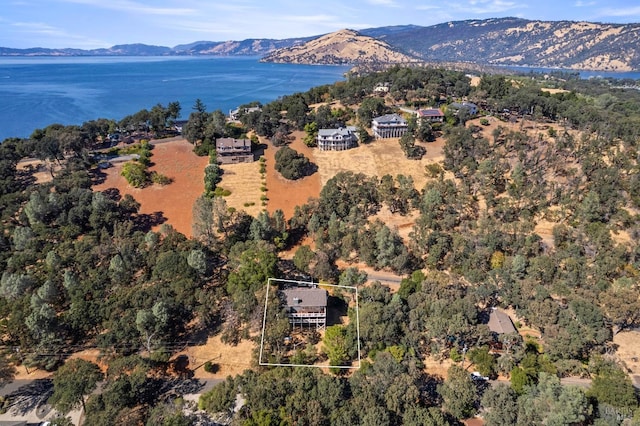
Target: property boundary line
{"points": [[309, 284]]}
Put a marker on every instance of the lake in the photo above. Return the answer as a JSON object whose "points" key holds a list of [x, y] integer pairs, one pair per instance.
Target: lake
{"points": [[38, 91]]}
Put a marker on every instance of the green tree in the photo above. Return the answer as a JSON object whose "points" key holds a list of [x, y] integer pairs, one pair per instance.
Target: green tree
{"points": [[135, 173], [408, 145], [500, 403], [311, 130], [369, 109], [291, 164], [221, 398], [75, 379], [551, 403], [459, 393], [612, 386], [335, 346], [484, 362], [303, 258]]}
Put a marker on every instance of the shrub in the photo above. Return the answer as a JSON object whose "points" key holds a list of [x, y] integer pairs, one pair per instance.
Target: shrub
{"points": [[211, 178], [204, 148], [291, 164], [484, 121], [210, 367], [219, 192], [433, 170], [160, 179], [136, 174]]}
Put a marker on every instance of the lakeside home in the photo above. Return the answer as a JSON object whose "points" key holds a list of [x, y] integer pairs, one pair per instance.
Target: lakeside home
{"points": [[339, 139]]}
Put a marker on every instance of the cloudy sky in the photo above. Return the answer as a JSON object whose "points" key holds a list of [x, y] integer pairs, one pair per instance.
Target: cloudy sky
{"points": [[104, 23]]}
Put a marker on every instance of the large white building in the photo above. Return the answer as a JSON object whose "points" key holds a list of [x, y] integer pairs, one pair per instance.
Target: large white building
{"points": [[389, 126], [339, 139]]}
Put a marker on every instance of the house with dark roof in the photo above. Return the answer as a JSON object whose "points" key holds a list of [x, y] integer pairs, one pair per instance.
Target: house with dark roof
{"points": [[306, 306], [339, 139], [431, 115], [232, 151], [500, 322], [389, 126]]}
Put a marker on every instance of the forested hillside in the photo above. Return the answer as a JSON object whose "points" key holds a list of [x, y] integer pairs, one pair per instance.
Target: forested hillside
{"points": [[540, 216]]}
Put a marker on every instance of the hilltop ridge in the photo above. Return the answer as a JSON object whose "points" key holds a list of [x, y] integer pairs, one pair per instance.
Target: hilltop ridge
{"points": [[341, 47], [497, 41]]}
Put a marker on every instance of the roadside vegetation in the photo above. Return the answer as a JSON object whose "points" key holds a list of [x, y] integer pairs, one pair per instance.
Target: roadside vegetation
{"points": [[84, 269]]}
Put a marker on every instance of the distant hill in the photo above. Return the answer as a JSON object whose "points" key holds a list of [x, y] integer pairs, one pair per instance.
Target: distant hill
{"points": [[251, 47], [515, 41], [499, 41], [341, 47]]}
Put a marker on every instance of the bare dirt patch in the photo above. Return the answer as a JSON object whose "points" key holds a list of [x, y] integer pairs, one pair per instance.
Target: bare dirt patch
{"points": [[402, 224], [285, 194], [176, 160], [553, 91], [40, 170], [232, 360]]}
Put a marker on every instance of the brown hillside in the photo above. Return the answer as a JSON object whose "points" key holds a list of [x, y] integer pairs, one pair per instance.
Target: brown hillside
{"points": [[341, 47]]}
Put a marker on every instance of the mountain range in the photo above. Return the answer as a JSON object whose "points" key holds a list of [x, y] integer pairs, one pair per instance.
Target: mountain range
{"points": [[498, 41]]}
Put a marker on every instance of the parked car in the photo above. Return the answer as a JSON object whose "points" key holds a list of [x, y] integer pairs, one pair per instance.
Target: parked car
{"points": [[477, 376]]}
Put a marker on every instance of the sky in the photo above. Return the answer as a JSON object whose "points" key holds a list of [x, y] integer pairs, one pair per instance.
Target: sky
{"points": [[88, 24]]}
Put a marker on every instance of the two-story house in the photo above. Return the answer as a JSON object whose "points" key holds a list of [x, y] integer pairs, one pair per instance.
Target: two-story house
{"points": [[231, 151], [389, 126], [339, 139]]}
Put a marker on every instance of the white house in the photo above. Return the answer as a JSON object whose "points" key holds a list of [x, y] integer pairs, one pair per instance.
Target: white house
{"points": [[389, 126], [339, 139]]}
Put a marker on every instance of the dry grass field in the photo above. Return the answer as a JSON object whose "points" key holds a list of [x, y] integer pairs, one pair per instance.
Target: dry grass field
{"points": [[628, 352], [378, 158], [232, 360], [243, 180]]}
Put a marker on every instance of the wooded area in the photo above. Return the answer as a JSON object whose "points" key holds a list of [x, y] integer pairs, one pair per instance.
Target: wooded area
{"points": [[84, 269]]}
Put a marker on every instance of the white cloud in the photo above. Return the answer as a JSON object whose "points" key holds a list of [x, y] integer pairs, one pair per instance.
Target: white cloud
{"points": [[581, 3], [487, 6], [62, 37], [390, 3], [427, 7], [135, 7], [628, 11]]}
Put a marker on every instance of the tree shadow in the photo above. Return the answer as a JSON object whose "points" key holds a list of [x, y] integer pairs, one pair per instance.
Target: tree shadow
{"points": [[145, 222], [259, 150], [336, 309], [7, 371], [310, 169], [113, 194], [25, 178], [97, 176], [30, 397]]}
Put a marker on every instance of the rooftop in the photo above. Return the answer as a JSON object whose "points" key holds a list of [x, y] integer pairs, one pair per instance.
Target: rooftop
{"points": [[390, 118], [430, 112], [500, 322], [305, 296]]}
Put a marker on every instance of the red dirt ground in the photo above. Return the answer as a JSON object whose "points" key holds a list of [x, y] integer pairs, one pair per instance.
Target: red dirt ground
{"points": [[174, 159], [286, 194]]}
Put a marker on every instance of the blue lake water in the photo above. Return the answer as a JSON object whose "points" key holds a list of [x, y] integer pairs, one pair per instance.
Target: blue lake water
{"points": [[36, 92]]}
